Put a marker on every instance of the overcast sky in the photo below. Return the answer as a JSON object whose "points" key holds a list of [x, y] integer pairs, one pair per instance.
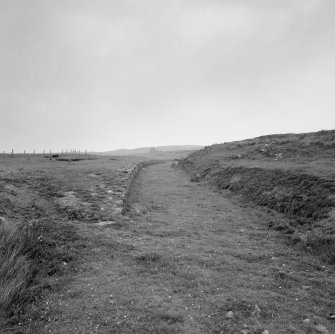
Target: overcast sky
{"points": [[107, 74]]}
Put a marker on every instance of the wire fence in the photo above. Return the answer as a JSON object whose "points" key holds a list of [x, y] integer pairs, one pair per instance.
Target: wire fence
{"points": [[49, 154]]}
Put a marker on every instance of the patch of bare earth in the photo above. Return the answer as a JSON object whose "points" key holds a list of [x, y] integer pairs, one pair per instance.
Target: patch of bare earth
{"points": [[190, 260]]}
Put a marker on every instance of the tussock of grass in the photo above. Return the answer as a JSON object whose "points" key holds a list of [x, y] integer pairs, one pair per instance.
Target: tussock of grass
{"points": [[28, 255], [323, 245], [149, 258]]}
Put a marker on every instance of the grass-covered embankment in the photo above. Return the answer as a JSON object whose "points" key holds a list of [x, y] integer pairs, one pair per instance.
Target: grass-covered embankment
{"points": [[29, 255], [305, 195]]}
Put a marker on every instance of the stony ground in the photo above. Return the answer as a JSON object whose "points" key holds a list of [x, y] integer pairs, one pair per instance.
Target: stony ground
{"points": [[189, 260]]}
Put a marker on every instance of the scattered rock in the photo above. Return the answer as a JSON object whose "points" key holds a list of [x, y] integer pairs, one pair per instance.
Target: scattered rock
{"points": [[306, 287], [321, 329], [117, 211], [292, 329], [307, 321], [265, 332], [106, 223], [317, 318], [229, 315], [256, 312]]}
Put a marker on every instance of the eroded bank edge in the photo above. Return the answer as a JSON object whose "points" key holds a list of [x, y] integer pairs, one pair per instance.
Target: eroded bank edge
{"points": [[305, 201], [133, 175]]}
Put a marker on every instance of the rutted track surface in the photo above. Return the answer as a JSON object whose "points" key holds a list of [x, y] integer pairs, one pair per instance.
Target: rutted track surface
{"points": [[186, 257]]}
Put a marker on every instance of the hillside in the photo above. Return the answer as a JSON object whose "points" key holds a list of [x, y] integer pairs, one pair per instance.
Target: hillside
{"points": [[153, 150], [293, 174], [124, 245]]}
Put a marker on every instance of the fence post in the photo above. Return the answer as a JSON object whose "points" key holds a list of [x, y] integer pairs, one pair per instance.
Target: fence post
{"points": [[12, 153]]}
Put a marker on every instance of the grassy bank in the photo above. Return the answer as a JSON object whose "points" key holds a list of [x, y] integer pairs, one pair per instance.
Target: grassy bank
{"points": [[29, 255], [291, 174]]}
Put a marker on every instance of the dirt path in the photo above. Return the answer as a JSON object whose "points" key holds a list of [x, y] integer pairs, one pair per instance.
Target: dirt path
{"points": [[184, 258]]}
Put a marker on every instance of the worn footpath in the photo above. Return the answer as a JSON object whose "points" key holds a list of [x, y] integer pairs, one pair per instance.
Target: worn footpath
{"points": [[186, 259]]}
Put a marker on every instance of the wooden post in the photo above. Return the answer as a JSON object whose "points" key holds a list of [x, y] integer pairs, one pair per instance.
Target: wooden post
{"points": [[12, 153]]}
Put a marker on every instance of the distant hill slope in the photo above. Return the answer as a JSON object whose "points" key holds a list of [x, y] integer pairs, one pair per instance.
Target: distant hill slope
{"points": [[278, 147], [306, 152], [146, 150], [293, 174]]}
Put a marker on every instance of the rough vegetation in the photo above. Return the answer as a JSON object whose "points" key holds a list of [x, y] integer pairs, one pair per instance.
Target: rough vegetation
{"points": [[29, 254], [183, 259], [291, 174], [41, 203]]}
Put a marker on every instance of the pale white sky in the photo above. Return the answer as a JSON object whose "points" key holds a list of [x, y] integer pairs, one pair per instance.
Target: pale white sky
{"points": [[107, 74]]}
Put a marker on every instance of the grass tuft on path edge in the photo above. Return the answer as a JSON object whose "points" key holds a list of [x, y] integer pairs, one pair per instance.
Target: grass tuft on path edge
{"points": [[29, 255]]}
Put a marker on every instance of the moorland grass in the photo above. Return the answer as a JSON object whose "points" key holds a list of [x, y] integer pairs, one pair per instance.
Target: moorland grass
{"points": [[264, 171], [322, 245], [29, 254], [305, 200]]}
